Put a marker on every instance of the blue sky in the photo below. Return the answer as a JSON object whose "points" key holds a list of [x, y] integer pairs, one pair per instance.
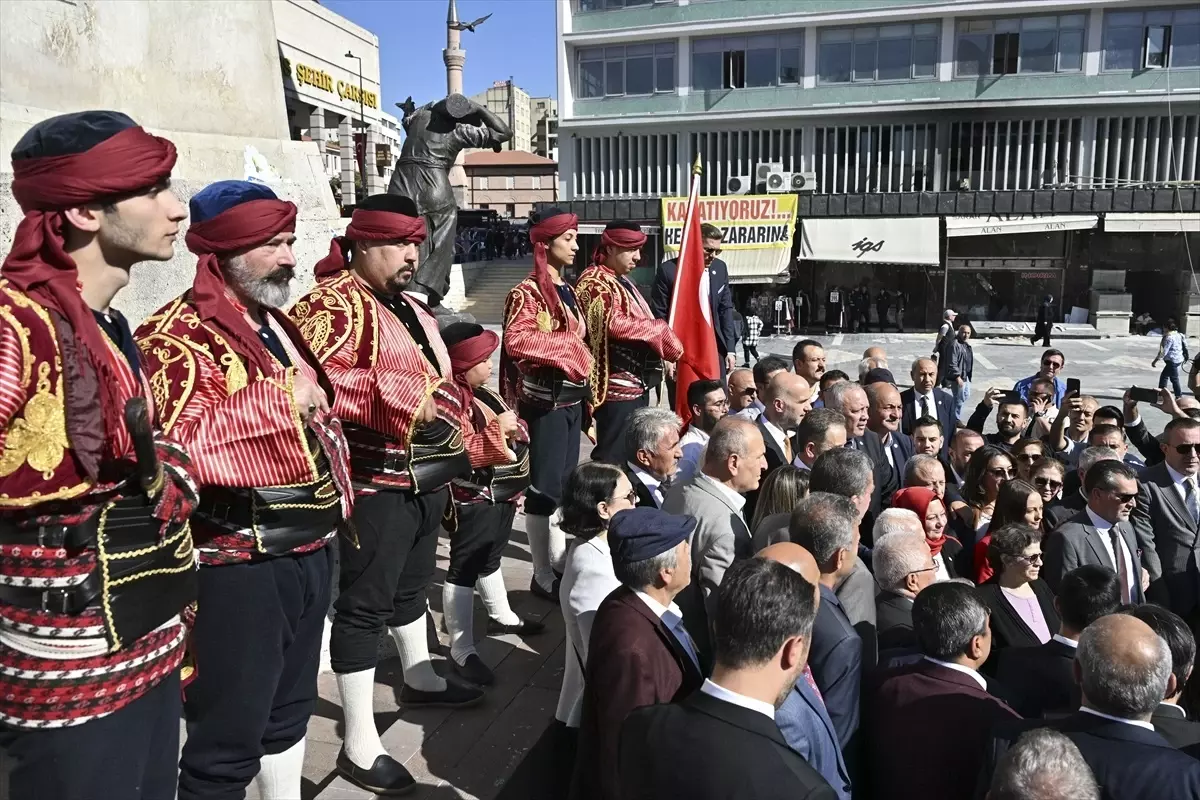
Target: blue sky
{"points": [[517, 42]]}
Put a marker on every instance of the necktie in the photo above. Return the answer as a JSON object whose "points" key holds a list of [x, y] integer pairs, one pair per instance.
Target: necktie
{"points": [[685, 639], [812, 683], [1189, 497], [1119, 557], [787, 448], [925, 406]]}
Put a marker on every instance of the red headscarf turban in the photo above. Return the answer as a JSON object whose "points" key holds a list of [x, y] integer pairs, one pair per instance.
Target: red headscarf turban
{"points": [[623, 238], [917, 499], [370, 226], [541, 233]]}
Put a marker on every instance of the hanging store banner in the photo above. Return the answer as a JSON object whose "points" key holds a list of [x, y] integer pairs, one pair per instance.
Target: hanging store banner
{"points": [[758, 232], [871, 240], [991, 224], [1152, 223]]}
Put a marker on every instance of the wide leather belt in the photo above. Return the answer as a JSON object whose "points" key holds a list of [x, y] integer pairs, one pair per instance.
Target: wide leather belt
{"points": [[549, 385], [282, 518], [509, 480]]}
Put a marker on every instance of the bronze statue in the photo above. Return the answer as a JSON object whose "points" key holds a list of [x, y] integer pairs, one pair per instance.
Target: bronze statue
{"points": [[434, 135]]}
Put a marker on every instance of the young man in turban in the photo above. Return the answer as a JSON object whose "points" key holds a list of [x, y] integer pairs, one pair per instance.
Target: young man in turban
{"points": [[402, 415], [243, 393], [545, 371], [628, 344], [96, 558], [486, 502]]}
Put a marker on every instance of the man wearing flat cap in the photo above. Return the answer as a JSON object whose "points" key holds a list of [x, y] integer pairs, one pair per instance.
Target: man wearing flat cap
{"points": [[402, 416], [639, 652], [628, 344], [96, 558], [250, 402]]}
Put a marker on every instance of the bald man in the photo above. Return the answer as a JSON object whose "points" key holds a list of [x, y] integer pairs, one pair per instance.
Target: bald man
{"points": [[1123, 669], [786, 400], [925, 399], [876, 353], [802, 719], [883, 427]]}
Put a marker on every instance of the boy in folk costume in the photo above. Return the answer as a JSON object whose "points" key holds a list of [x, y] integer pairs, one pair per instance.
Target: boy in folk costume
{"points": [[545, 366], [628, 344], [498, 445]]}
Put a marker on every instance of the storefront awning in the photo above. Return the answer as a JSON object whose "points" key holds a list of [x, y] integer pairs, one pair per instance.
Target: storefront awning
{"points": [[871, 240], [1019, 223], [1152, 223]]}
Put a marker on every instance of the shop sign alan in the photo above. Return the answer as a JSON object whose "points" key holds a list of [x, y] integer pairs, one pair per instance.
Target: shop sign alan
{"points": [[1018, 223]]}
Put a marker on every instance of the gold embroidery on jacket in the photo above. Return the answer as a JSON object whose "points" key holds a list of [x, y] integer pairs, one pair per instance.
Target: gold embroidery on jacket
{"points": [[39, 436]]}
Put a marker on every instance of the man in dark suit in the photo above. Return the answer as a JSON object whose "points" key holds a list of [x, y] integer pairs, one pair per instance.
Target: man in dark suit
{"points": [[1100, 534], [719, 295], [723, 741], [1043, 764], [851, 400], [785, 403], [1074, 501], [1167, 520], [943, 693], [903, 567], [924, 399], [822, 429], [1170, 719], [639, 652], [652, 453], [1123, 669], [883, 425], [1039, 680]]}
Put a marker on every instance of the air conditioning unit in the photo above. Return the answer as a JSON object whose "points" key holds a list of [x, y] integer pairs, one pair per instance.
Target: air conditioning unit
{"points": [[765, 168], [779, 182], [804, 182], [738, 184]]}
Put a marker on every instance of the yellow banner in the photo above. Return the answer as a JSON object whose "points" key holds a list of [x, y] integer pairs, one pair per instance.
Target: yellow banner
{"points": [[758, 231]]}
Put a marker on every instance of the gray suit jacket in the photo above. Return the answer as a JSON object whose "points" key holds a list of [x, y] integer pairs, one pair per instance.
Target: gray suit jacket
{"points": [[1170, 541], [721, 536], [1077, 542]]}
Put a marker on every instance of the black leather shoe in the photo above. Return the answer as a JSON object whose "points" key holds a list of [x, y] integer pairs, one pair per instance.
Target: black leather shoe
{"points": [[536, 589], [475, 671], [387, 776], [526, 627], [455, 695]]}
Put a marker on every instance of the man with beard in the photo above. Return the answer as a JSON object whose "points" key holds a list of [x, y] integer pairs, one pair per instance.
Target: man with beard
{"points": [[1012, 418], [808, 360], [706, 400], [628, 344], [392, 375], [91, 640], [227, 359], [545, 365]]}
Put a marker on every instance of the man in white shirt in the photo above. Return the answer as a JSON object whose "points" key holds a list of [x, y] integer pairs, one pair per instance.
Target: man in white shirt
{"points": [[924, 399], [651, 453], [1100, 534], [743, 394], [823, 429], [708, 404], [763, 371]]}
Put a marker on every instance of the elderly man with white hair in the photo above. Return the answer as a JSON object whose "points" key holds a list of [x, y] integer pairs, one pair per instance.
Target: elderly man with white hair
{"points": [[1043, 765], [903, 567], [652, 453]]}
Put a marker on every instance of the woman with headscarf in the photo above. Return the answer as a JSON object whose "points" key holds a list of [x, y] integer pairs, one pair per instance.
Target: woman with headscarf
{"points": [[930, 509]]}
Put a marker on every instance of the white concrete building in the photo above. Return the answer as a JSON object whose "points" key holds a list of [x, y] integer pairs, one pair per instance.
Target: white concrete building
{"points": [[511, 103]]}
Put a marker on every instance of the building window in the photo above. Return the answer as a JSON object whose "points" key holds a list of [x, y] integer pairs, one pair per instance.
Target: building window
{"points": [[627, 69], [481, 183], [742, 62], [606, 5], [887, 53], [1031, 46], [484, 206], [1151, 39], [510, 210]]}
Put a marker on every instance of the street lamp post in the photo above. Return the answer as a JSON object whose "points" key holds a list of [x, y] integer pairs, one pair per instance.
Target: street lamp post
{"points": [[362, 123]]}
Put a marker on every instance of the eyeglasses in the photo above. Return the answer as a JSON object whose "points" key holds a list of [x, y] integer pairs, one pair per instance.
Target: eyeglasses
{"points": [[1046, 483], [1036, 558], [749, 392], [1124, 498], [1000, 472], [631, 497], [1030, 457], [919, 571], [1184, 449], [1039, 395], [1052, 364], [712, 251]]}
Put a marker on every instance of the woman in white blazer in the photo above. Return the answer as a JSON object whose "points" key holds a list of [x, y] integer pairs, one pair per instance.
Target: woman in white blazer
{"points": [[594, 492]]}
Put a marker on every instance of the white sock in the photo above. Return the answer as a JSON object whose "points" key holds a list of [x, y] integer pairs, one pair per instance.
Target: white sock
{"points": [[362, 743], [279, 773], [537, 529], [413, 643], [558, 544], [495, 598], [458, 604]]}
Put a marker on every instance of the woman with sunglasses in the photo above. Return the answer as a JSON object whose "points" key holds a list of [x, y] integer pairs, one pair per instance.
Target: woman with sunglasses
{"points": [[1028, 453], [1048, 476], [930, 509], [1021, 604], [1019, 502], [989, 468]]}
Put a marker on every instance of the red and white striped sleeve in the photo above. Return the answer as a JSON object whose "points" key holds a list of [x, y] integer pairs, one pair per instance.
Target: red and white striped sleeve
{"points": [[526, 340]]}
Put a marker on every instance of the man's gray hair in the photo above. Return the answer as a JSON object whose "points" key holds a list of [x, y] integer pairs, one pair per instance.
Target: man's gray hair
{"points": [[896, 556], [835, 395], [1116, 686], [946, 617], [727, 439], [919, 463], [841, 471], [646, 428], [822, 524], [868, 364], [641, 575], [1043, 765], [896, 520], [1094, 455]]}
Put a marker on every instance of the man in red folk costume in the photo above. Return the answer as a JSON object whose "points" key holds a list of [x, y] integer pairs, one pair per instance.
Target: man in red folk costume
{"points": [[545, 366], [486, 502], [402, 416], [239, 388], [628, 344], [96, 556]]}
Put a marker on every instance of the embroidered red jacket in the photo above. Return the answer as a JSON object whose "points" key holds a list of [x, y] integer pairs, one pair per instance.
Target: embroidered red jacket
{"points": [[240, 426], [380, 375], [43, 482], [537, 342], [626, 341], [486, 446]]}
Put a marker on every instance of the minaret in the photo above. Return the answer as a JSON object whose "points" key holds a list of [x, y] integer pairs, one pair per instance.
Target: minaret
{"points": [[453, 56]]}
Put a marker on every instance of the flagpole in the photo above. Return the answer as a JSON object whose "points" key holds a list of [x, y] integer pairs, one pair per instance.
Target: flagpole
{"points": [[688, 219]]}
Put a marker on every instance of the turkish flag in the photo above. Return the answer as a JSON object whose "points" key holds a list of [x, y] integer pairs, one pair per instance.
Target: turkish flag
{"points": [[691, 309]]}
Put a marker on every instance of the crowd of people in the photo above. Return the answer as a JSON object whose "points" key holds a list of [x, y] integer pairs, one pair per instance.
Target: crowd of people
{"points": [[822, 586]]}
